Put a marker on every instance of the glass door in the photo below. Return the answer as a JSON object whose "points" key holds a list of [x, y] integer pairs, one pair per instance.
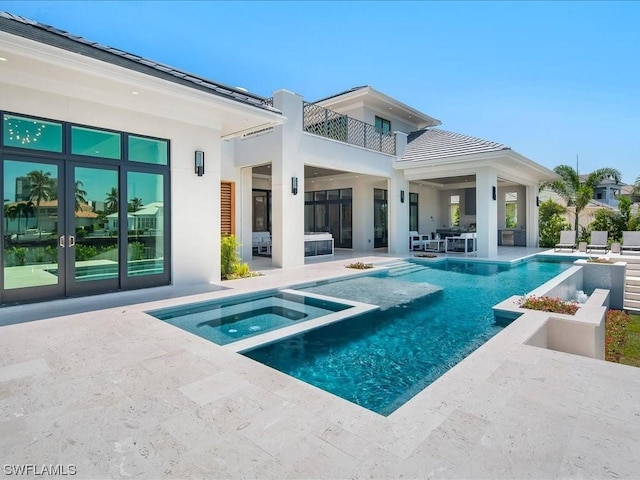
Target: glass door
{"points": [[380, 223], [33, 238], [92, 229]]}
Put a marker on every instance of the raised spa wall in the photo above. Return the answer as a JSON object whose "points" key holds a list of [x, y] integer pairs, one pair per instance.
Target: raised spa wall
{"points": [[582, 333]]}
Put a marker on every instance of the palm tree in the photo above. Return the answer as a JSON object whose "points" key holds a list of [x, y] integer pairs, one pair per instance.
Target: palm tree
{"points": [[41, 189], [135, 204], [79, 196], [10, 213], [576, 191], [27, 211], [635, 192], [111, 202]]}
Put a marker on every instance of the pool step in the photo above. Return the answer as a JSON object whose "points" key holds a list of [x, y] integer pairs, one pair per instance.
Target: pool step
{"points": [[402, 268]]}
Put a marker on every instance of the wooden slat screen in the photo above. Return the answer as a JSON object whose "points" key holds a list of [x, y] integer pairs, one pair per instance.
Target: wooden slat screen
{"points": [[227, 208]]}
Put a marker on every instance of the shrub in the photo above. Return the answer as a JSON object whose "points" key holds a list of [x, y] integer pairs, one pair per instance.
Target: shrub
{"points": [[615, 331], [85, 252], [549, 304], [19, 255], [551, 223]]}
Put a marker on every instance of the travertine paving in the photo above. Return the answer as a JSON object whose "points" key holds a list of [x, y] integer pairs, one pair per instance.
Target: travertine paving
{"points": [[120, 394]]}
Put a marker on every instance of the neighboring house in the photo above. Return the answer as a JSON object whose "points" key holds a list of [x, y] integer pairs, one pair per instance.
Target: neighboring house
{"points": [[201, 158]]}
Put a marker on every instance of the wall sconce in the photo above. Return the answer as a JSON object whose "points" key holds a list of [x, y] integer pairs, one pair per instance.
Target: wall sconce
{"points": [[494, 193], [537, 201], [199, 163], [294, 185], [401, 196]]}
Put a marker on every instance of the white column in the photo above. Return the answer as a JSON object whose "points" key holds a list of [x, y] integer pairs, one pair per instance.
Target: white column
{"points": [[398, 214], [487, 212], [533, 233], [287, 212], [245, 207]]}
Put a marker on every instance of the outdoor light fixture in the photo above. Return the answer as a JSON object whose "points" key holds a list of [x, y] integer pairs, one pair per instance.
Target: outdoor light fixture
{"points": [[401, 196], [537, 201], [199, 163], [294, 185], [494, 193]]}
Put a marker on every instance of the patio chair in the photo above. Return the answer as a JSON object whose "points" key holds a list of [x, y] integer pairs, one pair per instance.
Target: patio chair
{"points": [[417, 240], [630, 241], [567, 240], [598, 241]]}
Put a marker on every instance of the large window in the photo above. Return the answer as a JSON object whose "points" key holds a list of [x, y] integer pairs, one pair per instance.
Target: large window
{"points": [[454, 210], [261, 211], [31, 133], [413, 212], [330, 211], [92, 142], [511, 209], [383, 125]]}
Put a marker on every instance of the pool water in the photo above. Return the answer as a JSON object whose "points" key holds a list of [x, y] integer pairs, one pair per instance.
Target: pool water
{"points": [[227, 321], [382, 359]]}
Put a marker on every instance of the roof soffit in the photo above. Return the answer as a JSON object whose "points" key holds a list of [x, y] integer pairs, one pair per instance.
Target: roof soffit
{"points": [[86, 78]]}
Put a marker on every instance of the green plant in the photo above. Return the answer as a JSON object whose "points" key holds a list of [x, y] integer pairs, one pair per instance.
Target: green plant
{"points": [[39, 255], [85, 252], [551, 223], [136, 251], [616, 323], [360, 265], [19, 255], [230, 265], [549, 304]]}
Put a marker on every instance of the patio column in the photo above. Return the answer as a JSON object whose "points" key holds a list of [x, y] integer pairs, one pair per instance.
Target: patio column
{"points": [[246, 212], [487, 212], [287, 221], [398, 216], [532, 216]]}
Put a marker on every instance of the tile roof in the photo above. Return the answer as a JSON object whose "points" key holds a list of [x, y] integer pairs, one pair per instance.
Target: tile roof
{"points": [[46, 34], [433, 143], [341, 93]]}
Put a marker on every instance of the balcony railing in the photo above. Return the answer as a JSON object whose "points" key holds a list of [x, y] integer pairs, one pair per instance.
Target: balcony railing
{"points": [[327, 123]]}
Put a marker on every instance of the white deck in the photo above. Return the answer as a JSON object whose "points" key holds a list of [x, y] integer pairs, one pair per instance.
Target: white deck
{"points": [[118, 393]]}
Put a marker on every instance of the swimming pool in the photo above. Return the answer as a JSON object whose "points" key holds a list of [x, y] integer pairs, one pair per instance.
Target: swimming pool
{"points": [[380, 360]]}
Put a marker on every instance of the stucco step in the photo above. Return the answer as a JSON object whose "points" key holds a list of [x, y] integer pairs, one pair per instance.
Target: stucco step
{"points": [[631, 288], [632, 304], [632, 265], [631, 296], [632, 280]]}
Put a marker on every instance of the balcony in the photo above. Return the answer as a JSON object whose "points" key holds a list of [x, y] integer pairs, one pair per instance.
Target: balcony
{"points": [[329, 124]]}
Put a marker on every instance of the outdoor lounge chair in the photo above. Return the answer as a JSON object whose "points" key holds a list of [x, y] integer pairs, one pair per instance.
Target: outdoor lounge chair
{"points": [[630, 241], [417, 240], [598, 241], [567, 240]]}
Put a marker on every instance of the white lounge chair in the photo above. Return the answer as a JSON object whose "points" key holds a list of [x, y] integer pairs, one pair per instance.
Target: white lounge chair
{"points": [[630, 241], [417, 240], [598, 241], [567, 240]]}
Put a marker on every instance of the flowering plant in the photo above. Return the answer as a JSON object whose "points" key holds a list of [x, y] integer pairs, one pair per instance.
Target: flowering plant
{"points": [[549, 304]]}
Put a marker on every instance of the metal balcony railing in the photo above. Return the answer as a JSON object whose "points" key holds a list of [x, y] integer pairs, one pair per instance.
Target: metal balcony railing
{"points": [[327, 123]]}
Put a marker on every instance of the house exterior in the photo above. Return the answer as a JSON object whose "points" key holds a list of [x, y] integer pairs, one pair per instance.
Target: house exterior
{"points": [[162, 162]]}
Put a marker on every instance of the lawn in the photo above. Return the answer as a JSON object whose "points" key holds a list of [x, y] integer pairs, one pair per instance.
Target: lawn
{"points": [[622, 341]]}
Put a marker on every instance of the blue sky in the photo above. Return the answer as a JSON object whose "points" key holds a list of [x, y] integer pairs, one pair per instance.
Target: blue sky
{"points": [[552, 80]]}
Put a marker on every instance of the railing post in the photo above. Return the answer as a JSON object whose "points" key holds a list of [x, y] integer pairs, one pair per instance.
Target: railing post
{"points": [[326, 123]]}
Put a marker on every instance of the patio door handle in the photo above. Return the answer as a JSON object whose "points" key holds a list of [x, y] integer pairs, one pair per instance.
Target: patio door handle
{"points": [[72, 241], [61, 241]]}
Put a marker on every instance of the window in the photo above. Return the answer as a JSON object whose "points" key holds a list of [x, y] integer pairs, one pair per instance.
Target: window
{"points": [[511, 209], [95, 143], [383, 125], [147, 150], [454, 210], [31, 133], [413, 212], [330, 211]]}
